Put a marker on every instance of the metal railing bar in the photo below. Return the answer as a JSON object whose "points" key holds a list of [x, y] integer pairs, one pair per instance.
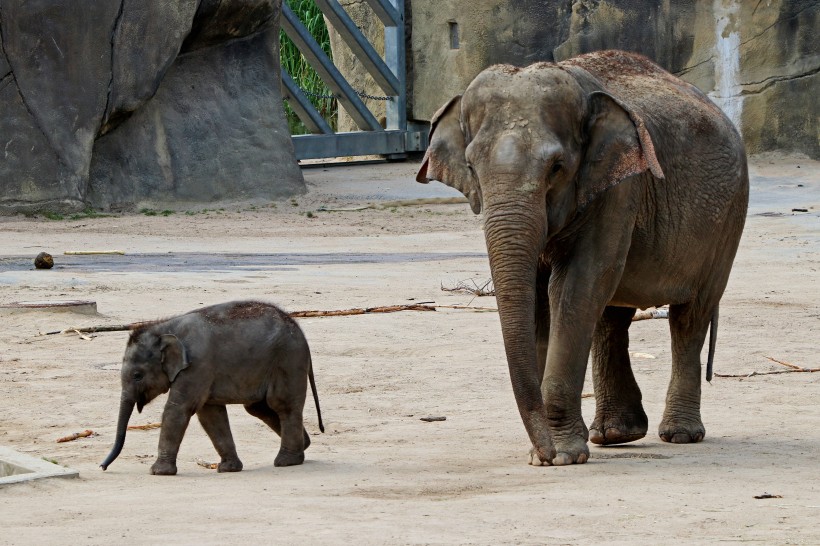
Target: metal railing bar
{"points": [[386, 12], [314, 55], [394, 56], [302, 106], [360, 46]]}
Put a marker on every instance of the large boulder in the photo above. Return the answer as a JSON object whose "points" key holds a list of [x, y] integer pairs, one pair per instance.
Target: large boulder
{"points": [[120, 104]]}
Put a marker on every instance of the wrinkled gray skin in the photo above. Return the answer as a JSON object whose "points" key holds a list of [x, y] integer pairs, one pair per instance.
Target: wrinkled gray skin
{"points": [[245, 352], [607, 185]]}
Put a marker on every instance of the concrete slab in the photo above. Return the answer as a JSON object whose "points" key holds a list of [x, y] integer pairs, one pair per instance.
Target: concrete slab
{"points": [[18, 467]]}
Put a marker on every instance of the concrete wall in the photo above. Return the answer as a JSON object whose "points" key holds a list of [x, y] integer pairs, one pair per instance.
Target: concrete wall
{"points": [[758, 60]]}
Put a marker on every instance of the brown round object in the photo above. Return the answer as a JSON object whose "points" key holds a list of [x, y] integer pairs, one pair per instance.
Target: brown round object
{"points": [[44, 261]]}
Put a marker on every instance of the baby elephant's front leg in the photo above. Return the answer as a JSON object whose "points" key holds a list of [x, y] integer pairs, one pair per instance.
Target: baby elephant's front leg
{"points": [[214, 419], [175, 420]]}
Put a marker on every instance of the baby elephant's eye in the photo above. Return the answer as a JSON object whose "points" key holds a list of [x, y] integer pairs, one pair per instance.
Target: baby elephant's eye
{"points": [[138, 376]]}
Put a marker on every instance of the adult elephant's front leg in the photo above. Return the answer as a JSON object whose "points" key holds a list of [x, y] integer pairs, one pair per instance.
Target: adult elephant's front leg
{"points": [[619, 415]]}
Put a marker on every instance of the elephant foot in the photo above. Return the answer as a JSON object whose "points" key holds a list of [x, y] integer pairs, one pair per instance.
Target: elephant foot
{"points": [[230, 465], [163, 468], [571, 451], [681, 431], [289, 458], [618, 427]]}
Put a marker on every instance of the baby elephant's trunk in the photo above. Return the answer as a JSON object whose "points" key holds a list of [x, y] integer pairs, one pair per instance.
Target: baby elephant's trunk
{"points": [[126, 409]]}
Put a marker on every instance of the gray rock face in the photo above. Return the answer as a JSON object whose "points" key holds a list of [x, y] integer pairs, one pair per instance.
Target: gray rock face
{"points": [[759, 61], [141, 101]]}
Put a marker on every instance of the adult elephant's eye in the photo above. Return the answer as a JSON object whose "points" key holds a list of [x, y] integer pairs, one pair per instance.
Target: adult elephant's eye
{"points": [[556, 168]]}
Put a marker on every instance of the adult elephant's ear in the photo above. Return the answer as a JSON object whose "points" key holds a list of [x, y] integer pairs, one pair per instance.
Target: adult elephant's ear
{"points": [[174, 356], [445, 160], [618, 146]]}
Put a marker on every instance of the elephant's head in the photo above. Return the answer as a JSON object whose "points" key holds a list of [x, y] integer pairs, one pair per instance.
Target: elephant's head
{"points": [[532, 147], [151, 363]]}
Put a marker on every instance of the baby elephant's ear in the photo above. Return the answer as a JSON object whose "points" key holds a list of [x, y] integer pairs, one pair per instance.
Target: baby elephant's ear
{"points": [[445, 160], [174, 355]]}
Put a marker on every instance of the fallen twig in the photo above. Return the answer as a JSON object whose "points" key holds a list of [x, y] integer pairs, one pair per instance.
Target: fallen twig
{"points": [[148, 426], [652, 313], [81, 334], [794, 367], [768, 496], [775, 372], [206, 464], [363, 311], [90, 252], [588, 395], [72, 437], [476, 290], [432, 419], [421, 306], [402, 203]]}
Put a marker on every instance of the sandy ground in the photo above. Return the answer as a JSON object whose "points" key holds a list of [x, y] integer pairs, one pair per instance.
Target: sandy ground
{"points": [[380, 475]]}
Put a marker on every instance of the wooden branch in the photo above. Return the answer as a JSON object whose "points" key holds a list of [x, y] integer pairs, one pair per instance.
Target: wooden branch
{"points": [[205, 464], [148, 426], [651, 313], [476, 290], [776, 372], [792, 366], [421, 306], [72, 437], [363, 311], [90, 252]]}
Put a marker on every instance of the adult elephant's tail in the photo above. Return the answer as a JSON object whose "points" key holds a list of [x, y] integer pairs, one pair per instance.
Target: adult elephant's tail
{"points": [[713, 326]]}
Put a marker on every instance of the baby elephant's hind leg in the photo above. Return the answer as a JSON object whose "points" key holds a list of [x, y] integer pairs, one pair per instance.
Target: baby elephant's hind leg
{"points": [[214, 420], [264, 412]]}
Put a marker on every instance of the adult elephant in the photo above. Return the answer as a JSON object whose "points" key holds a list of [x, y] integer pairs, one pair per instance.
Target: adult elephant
{"points": [[607, 184]]}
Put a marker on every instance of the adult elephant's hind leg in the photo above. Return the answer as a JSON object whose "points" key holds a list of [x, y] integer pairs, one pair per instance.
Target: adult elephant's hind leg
{"points": [[681, 422], [214, 419], [619, 415]]}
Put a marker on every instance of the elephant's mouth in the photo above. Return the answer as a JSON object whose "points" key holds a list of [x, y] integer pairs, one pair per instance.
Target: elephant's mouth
{"points": [[141, 401]]}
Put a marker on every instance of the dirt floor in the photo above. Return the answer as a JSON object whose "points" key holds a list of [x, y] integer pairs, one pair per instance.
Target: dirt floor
{"points": [[379, 474]]}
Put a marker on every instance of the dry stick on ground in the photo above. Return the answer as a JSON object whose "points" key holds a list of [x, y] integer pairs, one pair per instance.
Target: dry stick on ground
{"points": [[403, 203], [476, 290], [792, 368], [422, 306], [205, 464], [148, 426], [651, 313], [72, 437]]}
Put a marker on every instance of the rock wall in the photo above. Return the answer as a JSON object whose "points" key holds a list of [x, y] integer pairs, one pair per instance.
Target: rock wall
{"points": [[758, 60], [123, 103]]}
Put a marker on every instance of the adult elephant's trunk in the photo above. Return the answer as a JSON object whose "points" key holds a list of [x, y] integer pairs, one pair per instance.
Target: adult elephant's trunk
{"points": [[515, 235], [126, 409]]}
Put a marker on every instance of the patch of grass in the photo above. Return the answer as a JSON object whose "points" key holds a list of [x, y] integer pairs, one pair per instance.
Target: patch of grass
{"points": [[309, 214], [88, 213], [167, 212], [148, 212], [50, 460], [294, 203], [295, 64], [53, 215]]}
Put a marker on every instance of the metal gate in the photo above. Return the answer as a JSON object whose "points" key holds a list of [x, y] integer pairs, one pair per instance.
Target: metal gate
{"points": [[394, 140]]}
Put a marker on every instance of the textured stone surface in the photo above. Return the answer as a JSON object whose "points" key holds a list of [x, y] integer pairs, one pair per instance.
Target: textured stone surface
{"points": [[120, 103], [757, 60]]}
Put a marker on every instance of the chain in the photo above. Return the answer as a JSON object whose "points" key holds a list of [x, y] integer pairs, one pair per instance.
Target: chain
{"points": [[362, 94]]}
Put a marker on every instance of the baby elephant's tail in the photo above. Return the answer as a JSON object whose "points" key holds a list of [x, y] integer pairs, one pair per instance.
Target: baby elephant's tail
{"points": [[315, 395]]}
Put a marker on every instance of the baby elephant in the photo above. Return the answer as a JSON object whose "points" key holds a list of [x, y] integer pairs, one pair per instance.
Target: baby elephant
{"points": [[244, 352]]}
